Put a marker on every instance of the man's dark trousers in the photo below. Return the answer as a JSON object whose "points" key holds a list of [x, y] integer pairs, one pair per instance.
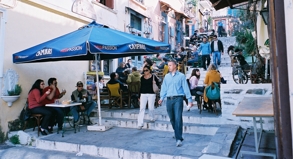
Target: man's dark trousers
{"points": [[204, 59]]}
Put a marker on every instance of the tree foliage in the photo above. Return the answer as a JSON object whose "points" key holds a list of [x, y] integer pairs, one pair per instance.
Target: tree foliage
{"points": [[244, 36]]}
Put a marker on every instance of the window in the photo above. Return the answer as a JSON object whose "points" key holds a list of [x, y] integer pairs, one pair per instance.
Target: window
{"points": [[162, 32], [108, 3], [106, 70], [187, 30], [135, 22]]}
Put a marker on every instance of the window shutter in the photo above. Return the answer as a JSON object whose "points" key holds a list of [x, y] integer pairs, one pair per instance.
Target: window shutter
{"points": [[110, 4]]}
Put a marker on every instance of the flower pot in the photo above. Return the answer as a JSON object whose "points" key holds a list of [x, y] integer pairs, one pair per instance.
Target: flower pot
{"points": [[10, 99]]}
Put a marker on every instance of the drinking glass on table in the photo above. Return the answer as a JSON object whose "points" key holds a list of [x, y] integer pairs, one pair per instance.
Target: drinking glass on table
{"points": [[84, 96], [63, 91]]}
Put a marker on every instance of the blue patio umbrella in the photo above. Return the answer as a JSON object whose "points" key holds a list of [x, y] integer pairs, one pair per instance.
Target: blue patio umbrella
{"points": [[93, 41], [87, 41]]}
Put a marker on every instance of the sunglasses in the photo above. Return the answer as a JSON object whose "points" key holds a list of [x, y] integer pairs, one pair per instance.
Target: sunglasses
{"points": [[145, 70], [79, 86], [42, 83]]}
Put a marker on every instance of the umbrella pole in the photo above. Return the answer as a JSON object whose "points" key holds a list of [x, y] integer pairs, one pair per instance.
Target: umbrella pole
{"points": [[98, 91], [98, 127]]}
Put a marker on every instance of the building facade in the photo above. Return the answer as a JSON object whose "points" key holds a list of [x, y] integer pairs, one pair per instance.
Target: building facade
{"points": [[26, 23]]}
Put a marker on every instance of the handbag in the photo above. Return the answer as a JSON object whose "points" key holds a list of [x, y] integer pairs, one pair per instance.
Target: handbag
{"points": [[155, 86], [213, 93]]}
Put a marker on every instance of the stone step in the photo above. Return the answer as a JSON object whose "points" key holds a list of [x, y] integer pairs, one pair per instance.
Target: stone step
{"points": [[141, 144], [189, 128], [221, 142], [193, 118], [126, 143]]}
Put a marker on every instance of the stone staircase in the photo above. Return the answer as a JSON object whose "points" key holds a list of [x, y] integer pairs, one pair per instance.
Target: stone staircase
{"points": [[205, 134], [206, 126]]}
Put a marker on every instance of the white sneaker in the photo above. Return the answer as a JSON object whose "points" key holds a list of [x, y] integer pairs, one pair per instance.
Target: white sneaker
{"points": [[152, 120], [179, 143], [139, 127]]}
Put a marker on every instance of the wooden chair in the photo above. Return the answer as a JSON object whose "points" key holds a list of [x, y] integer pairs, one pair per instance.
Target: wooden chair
{"points": [[181, 67], [165, 70], [38, 118], [117, 96], [157, 99], [104, 95], [134, 89]]}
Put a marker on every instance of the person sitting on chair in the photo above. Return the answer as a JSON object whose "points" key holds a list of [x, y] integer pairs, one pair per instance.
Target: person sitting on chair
{"points": [[193, 37], [181, 55], [134, 76], [120, 71], [193, 83], [55, 94], [114, 78], [35, 105], [87, 106], [163, 63], [194, 58], [212, 75]]}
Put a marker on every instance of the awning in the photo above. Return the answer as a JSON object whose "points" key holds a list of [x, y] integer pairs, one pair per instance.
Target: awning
{"points": [[219, 4], [176, 5]]}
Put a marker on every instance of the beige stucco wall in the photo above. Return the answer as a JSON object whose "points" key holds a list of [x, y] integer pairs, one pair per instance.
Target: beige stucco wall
{"points": [[289, 38], [31, 24], [27, 26]]}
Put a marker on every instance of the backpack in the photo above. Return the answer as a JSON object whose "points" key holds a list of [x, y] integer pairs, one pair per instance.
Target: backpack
{"points": [[25, 112]]}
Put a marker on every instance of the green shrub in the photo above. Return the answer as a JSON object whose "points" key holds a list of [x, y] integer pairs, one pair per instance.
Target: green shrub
{"points": [[2, 135], [16, 91], [14, 139]]}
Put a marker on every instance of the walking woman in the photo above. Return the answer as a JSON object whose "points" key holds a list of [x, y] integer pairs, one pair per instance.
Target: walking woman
{"points": [[147, 95], [35, 98]]}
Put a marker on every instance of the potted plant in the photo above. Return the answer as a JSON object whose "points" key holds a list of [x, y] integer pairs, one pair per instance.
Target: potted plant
{"points": [[12, 95]]}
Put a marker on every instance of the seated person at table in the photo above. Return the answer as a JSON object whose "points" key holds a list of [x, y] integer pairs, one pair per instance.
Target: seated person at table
{"points": [[87, 106], [194, 58], [147, 62], [114, 78], [55, 95], [154, 66], [181, 55], [193, 84], [35, 99], [100, 84], [134, 76], [120, 71], [163, 63]]}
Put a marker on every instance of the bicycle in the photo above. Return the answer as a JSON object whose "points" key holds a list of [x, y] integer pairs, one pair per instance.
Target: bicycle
{"points": [[238, 74]]}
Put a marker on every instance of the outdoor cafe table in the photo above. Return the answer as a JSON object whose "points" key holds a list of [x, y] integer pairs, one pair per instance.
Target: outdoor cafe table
{"points": [[63, 106], [255, 107]]}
